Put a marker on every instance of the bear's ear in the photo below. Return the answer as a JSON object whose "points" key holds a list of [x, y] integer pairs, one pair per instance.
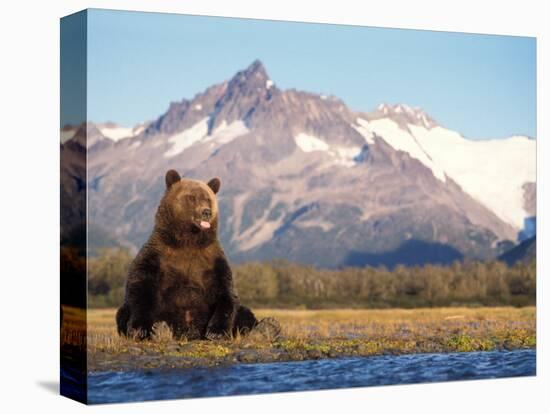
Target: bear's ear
{"points": [[172, 177], [215, 184]]}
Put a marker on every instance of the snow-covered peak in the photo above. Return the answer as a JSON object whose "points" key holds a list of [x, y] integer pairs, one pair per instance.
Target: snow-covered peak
{"points": [[138, 129], [398, 109], [116, 132], [108, 130], [67, 133], [491, 171], [403, 114], [363, 128], [401, 140]]}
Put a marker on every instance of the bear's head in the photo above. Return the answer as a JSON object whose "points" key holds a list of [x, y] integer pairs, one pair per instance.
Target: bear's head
{"points": [[188, 212]]}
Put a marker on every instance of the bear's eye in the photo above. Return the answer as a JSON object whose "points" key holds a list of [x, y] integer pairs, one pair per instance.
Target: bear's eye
{"points": [[190, 198]]}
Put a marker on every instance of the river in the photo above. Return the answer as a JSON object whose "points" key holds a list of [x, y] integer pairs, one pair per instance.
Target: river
{"points": [[238, 379]]}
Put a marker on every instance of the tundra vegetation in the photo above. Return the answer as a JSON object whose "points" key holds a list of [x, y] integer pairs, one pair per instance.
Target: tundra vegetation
{"points": [[306, 334], [468, 306]]}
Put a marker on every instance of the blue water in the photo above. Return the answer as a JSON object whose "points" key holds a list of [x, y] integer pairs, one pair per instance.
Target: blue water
{"points": [[107, 387]]}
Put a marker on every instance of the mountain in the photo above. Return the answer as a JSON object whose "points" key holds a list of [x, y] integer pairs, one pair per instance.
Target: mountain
{"points": [[525, 252], [308, 179], [73, 188], [499, 173], [108, 130]]}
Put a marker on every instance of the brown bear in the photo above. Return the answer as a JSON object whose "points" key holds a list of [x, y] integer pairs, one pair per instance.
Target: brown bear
{"points": [[181, 276]]}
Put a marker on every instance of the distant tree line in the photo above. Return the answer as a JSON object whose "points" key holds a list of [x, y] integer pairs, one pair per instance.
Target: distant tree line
{"points": [[107, 277], [283, 284]]}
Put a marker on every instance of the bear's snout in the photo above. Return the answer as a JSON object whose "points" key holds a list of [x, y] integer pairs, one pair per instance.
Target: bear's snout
{"points": [[206, 214]]}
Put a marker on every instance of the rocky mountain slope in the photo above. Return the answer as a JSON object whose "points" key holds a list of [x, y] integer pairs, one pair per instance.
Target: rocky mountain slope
{"points": [[307, 179]]}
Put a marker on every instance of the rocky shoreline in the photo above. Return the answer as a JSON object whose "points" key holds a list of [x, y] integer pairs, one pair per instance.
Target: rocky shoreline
{"points": [[147, 356]]}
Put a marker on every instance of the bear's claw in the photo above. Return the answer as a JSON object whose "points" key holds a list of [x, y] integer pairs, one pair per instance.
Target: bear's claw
{"points": [[214, 336]]}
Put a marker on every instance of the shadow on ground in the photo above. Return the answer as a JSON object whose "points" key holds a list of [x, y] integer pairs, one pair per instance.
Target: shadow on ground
{"points": [[51, 386]]}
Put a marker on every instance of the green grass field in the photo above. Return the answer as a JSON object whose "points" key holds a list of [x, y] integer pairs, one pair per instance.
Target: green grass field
{"points": [[310, 334]]}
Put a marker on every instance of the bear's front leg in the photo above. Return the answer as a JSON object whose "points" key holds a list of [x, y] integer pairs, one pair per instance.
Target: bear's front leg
{"points": [[140, 305], [140, 327], [221, 322], [122, 318]]}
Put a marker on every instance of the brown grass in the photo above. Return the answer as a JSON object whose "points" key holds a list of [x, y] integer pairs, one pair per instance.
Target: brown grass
{"points": [[310, 334], [389, 322]]}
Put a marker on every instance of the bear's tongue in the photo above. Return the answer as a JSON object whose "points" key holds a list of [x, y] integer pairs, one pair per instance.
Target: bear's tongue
{"points": [[205, 224]]}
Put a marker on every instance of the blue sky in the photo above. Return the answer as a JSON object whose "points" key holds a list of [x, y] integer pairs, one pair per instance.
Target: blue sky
{"points": [[482, 86]]}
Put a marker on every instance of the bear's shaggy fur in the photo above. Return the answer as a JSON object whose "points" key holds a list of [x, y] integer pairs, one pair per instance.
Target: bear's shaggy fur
{"points": [[181, 275]]}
